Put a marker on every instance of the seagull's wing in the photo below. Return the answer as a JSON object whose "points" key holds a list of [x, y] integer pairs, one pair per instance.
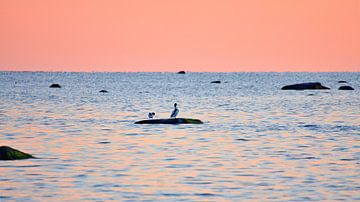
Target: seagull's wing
{"points": [[174, 113]]}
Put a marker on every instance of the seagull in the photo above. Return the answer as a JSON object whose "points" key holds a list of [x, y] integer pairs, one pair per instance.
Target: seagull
{"points": [[151, 115], [174, 112]]}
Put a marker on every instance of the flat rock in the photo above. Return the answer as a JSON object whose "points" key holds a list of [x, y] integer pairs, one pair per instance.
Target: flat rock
{"points": [[55, 85], [342, 81], [170, 121], [215, 82], [181, 72], [103, 91], [346, 88], [305, 86], [8, 153]]}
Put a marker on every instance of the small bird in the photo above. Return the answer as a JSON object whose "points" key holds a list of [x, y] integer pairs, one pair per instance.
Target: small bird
{"points": [[175, 112], [151, 115]]}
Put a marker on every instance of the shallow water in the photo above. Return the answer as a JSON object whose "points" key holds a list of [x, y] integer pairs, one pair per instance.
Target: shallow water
{"points": [[258, 143]]}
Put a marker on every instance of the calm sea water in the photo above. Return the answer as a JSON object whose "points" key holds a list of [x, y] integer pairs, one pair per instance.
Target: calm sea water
{"points": [[258, 143]]}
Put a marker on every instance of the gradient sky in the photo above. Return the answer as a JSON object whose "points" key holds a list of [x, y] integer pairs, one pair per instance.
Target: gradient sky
{"points": [[172, 35]]}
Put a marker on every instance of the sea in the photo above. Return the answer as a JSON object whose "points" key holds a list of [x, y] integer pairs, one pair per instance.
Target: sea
{"points": [[257, 143]]}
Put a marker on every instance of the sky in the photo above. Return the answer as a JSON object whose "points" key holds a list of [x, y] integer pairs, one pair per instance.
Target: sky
{"points": [[173, 35]]}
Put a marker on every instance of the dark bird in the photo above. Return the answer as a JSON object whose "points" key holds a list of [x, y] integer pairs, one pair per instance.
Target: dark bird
{"points": [[175, 112]]}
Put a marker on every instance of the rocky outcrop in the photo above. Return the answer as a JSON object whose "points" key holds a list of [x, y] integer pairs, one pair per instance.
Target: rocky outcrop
{"points": [[181, 72], [103, 91], [305, 86], [215, 82], [170, 121], [55, 85], [8, 153], [346, 88]]}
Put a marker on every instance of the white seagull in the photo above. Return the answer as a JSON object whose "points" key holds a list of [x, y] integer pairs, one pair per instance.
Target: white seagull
{"points": [[174, 112]]}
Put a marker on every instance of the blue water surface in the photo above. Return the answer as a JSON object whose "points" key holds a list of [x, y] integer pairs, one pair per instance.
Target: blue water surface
{"points": [[257, 143]]}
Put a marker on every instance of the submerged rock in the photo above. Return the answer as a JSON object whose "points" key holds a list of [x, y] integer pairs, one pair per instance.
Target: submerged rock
{"points": [[103, 91], [342, 81], [215, 82], [305, 86], [55, 85], [346, 88], [181, 72], [8, 153]]}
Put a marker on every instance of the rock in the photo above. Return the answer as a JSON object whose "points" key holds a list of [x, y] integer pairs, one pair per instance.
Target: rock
{"points": [[305, 86], [242, 139], [55, 85], [342, 81], [181, 72], [103, 91], [8, 153], [346, 88], [170, 121], [215, 82]]}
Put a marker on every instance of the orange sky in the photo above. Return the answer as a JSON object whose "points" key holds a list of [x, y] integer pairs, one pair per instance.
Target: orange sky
{"points": [[172, 35]]}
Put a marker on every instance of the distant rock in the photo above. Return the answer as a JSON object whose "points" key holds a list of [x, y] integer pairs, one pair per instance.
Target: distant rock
{"points": [[8, 153], [346, 88], [181, 72], [55, 85], [342, 81], [103, 91], [216, 82], [242, 139], [305, 86]]}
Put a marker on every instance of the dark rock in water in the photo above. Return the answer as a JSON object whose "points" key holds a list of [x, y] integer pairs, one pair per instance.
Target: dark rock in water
{"points": [[55, 85], [305, 86], [103, 91], [8, 153], [346, 88], [216, 82], [342, 81], [181, 72], [170, 121], [242, 139], [104, 142]]}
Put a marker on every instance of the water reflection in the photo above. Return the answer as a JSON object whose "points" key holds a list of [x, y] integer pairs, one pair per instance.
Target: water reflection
{"points": [[257, 143]]}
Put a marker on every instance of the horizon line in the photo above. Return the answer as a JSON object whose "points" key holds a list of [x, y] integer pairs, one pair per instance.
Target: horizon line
{"points": [[57, 71]]}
